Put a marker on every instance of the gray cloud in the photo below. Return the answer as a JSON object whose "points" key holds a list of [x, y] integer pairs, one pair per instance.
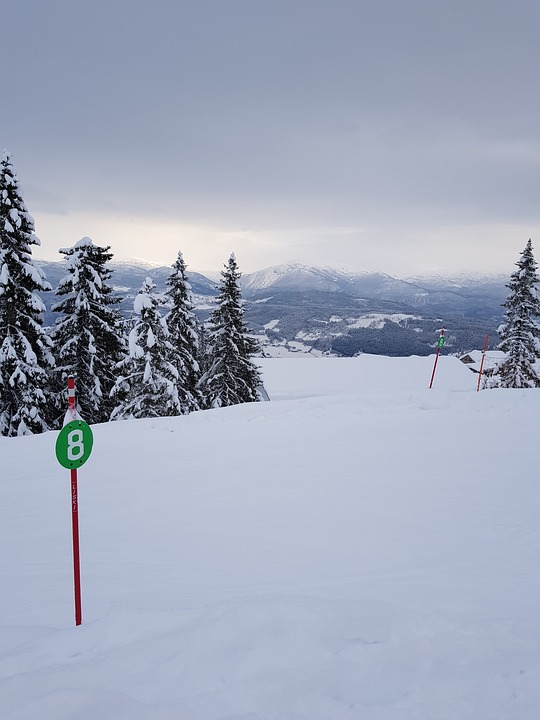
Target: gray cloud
{"points": [[394, 119]]}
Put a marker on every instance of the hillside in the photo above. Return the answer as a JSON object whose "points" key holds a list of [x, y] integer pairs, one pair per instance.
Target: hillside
{"points": [[301, 309], [359, 548]]}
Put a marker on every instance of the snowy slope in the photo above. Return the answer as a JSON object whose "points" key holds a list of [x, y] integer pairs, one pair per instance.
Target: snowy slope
{"points": [[297, 277], [358, 548]]}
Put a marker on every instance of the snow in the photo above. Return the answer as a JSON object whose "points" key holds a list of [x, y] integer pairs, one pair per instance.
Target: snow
{"points": [[83, 242], [458, 280], [14, 215], [360, 548], [491, 358], [271, 325], [302, 348], [299, 276], [303, 335], [202, 302], [135, 350], [37, 275], [147, 377], [142, 301], [150, 338], [4, 274], [378, 320], [282, 350]]}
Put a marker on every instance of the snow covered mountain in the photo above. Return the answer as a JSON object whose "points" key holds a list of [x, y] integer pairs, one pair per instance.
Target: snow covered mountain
{"points": [[301, 308], [323, 310], [436, 293], [304, 278], [298, 278], [457, 280]]}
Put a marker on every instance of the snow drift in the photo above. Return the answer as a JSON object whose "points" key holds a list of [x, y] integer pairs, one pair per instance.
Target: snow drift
{"points": [[359, 548]]}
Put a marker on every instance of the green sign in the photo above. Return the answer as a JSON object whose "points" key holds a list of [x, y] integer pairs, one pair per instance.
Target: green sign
{"points": [[441, 341], [74, 444]]}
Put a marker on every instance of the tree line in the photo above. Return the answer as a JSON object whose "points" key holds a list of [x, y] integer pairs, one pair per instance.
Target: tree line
{"points": [[154, 365]]}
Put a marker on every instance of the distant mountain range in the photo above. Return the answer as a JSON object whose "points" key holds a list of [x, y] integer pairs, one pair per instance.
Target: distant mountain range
{"points": [[299, 308]]}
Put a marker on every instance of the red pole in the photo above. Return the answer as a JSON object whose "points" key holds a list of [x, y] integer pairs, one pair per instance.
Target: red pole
{"points": [[72, 409], [482, 363], [436, 360], [76, 557]]}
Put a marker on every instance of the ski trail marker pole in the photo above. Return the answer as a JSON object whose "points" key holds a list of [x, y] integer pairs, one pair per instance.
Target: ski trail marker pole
{"points": [[72, 410], [76, 555], [440, 343], [73, 448], [482, 363]]}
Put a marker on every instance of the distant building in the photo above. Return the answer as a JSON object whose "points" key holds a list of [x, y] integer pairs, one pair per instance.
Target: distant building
{"points": [[473, 360]]}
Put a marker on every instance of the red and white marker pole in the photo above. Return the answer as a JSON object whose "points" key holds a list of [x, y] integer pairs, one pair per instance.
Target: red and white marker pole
{"points": [[439, 346], [72, 404], [72, 410], [482, 363]]}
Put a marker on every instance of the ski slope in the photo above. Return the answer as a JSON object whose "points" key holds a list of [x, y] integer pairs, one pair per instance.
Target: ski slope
{"points": [[359, 548]]}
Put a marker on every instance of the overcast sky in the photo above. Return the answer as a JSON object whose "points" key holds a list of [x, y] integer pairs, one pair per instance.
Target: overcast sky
{"points": [[394, 135]]}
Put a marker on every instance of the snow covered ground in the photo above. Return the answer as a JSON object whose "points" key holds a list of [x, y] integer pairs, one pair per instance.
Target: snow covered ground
{"points": [[358, 548]]}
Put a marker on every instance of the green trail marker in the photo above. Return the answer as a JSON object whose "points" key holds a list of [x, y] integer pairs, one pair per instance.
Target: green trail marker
{"points": [[74, 444], [440, 343], [73, 448]]}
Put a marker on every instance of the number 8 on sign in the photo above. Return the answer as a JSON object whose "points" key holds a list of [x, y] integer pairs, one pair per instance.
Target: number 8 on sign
{"points": [[74, 444], [75, 448]]}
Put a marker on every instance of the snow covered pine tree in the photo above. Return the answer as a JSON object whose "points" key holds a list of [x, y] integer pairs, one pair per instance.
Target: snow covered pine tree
{"points": [[184, 336], [87, 339], [520, 331], [147, 386], [231, 376], [25, 348]]}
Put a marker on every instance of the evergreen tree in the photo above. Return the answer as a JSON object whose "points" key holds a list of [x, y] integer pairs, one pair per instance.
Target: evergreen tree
{"points": [[520, 331], [25, 348], [184, 336], [88, 339], [148, 384], [231, 377], [203, 351]]}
